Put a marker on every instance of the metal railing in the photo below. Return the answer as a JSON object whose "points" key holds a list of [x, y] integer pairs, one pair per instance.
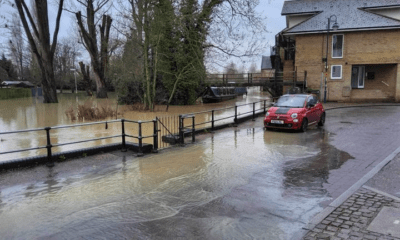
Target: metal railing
{"points": [[191, 129], [123, 136], [236, 116]]}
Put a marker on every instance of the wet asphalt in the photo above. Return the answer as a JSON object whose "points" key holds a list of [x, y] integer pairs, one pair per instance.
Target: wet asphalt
{"points": [[236, 183]]}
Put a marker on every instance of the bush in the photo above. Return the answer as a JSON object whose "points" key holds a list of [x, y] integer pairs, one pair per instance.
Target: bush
{"points": [[8, 93], [88, 112]]}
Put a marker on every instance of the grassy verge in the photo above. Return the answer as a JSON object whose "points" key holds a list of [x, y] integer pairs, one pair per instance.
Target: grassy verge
{"points": [[8, 93]]}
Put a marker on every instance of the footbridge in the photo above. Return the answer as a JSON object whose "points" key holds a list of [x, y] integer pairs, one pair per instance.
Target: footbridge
{"points": [[276, 84]]}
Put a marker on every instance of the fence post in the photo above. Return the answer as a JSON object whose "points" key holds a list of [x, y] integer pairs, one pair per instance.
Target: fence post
{"points": [[140, 153], [193, 129], [181, 136], [155, 137], [265, 111], [123, 136], [50, 162], [236, 119], [212, 120], [254, 111]]}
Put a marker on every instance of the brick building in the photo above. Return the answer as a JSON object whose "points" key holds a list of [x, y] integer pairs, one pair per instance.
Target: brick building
{"points": [[358, 57]]}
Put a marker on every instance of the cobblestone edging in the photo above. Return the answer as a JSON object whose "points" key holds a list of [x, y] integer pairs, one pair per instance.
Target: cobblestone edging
{"points": [[351, 219]]}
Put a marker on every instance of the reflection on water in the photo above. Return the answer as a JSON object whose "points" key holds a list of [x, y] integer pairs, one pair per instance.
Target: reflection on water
{"points": [[238, 184], [29, 113]]}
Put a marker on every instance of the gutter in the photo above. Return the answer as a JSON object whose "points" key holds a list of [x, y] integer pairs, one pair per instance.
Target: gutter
{"points": [[340, 30]]}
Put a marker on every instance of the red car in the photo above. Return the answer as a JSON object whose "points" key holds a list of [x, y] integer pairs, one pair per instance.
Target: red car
{"points": [[295, 111]]}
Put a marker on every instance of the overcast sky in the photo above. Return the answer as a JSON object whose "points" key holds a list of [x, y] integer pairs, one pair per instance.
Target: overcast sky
{"points": [[271, 9]]}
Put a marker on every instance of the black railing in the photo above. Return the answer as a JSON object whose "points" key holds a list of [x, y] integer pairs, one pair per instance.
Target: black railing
{"points": [[236, 117], [189, 129], [123, 136]]}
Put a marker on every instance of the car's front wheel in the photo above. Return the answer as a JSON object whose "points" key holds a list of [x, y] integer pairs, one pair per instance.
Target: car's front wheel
{"points": [[304, 125], [322, 120]]}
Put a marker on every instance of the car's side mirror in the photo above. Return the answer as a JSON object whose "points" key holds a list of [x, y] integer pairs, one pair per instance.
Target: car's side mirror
{"points": [[310, 105]]}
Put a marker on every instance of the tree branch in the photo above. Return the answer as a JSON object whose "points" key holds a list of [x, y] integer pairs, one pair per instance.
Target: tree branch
{"points": [[55, 35]]}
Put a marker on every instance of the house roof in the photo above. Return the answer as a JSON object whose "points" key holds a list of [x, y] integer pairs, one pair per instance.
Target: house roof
{"points": [[266, 62], [351, 14], [17, 83]]}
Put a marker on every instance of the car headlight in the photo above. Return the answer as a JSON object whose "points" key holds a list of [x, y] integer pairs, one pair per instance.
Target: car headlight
{"points": [[267, 114], [294, 115]]}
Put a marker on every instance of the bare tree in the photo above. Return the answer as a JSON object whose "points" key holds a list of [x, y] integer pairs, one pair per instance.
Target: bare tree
{"points": [[235, 30], [65, 60], [42, 48], [99, 57], [254, 68], [17, 47]]}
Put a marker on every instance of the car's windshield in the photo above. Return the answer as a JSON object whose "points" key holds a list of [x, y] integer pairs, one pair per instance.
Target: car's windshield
{"points": [[291, 101]]}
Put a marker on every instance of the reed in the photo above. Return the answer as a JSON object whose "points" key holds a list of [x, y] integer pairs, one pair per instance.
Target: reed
{"points": [[89, 112]]}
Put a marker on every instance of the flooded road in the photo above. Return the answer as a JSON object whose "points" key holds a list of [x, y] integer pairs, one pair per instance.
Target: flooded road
{"points": [[30, 113], [240, 183]]}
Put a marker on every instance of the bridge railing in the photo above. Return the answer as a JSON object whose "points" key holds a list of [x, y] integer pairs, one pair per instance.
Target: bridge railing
{"points": [[255, 78]]}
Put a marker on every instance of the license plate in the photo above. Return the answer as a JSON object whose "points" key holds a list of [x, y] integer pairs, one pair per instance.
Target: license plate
{"points": [[277, 121]]}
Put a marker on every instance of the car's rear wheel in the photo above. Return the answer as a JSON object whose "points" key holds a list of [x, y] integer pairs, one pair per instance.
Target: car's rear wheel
{"points": [[322, 120], [304, 125]]}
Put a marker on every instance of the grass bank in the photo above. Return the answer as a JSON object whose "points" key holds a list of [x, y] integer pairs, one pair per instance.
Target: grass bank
{"points": [[8, 93]]}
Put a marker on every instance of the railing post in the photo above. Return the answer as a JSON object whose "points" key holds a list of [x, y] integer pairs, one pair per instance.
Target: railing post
{"points": [[212, 120], [181, 135], [50, 162], [155, 136], [236, 119], [123, 135], [193, 129], [140, 153], [254, 111], [265, 111]]}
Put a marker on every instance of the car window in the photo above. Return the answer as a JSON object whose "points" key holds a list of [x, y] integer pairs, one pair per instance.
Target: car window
{"points": [[291, 101], [312, 100]]}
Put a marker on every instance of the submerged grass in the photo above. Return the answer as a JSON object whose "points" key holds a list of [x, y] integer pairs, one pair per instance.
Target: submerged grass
{"points": [[89, 112]]}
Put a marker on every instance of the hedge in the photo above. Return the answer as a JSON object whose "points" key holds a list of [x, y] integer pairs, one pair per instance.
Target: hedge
{"points": [[7, 93]]}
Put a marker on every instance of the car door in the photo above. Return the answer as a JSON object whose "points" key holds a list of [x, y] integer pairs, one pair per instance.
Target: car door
{"points": [[318, 110], [311, 111]]}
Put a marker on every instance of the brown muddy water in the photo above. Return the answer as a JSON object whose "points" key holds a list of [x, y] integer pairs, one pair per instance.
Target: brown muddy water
{"points": [[31, 113]]}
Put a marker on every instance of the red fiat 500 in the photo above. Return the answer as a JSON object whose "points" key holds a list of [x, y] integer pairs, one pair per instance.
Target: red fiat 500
{"points": [[297, 111]]}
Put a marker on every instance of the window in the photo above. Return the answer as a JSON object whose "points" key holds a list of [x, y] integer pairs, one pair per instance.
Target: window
{"points": [[336, 72], [337, 46]]}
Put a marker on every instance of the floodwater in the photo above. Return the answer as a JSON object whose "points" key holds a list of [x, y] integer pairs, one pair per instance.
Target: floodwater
{"points": [[31, 113], [241, 183]]}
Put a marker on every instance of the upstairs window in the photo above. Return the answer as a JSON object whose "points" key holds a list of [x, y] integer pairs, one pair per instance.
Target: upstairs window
{"points": [[337, 46]]}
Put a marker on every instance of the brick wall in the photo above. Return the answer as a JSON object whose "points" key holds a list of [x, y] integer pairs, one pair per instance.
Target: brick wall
{"points": [[370, 48]]}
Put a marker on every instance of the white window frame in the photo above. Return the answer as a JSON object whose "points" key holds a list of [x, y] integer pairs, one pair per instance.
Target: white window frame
{"points": [[341, 71], [342, 45]]}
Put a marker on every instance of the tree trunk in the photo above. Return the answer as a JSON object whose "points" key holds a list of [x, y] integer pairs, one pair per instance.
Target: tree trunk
{"points": [[43, 49], [86, 78], [99, 58]]}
